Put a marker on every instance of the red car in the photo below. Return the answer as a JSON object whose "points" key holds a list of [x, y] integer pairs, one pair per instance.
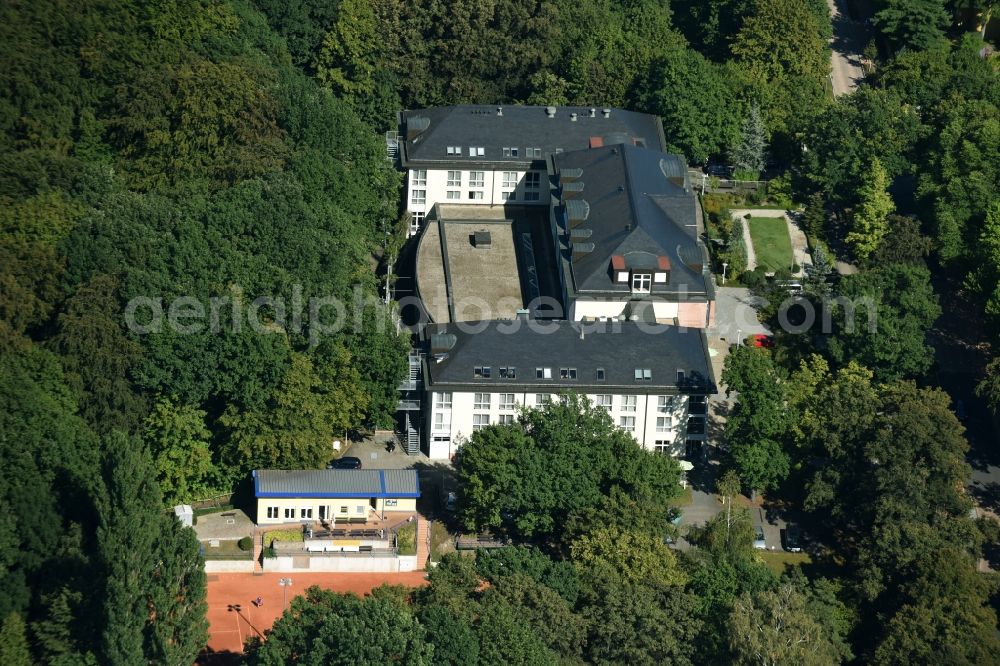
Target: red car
{"points": [[760, 340]]}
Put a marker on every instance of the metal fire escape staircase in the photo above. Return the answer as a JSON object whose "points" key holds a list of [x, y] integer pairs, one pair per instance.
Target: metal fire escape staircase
{"points": [[410, 390], [392, 146]]}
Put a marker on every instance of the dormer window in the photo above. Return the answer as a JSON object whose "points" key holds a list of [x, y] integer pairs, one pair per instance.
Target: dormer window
{"points": [[567, 373], [641, 283], [476, 151], [454, 150], [482, 372], [543, 373], [600, 374]]}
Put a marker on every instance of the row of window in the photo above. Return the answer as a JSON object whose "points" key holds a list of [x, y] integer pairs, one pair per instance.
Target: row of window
{"points": [[475, 195], [514, 151], [508, 151], [305, 512], [626, 423], [663, 423], [665, 404], [510, 179], [642, 283], [474, 151]]}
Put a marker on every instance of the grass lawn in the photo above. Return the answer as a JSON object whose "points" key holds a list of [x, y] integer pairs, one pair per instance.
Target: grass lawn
{"points": [[771, 242], [226, 550], [778, 560]]}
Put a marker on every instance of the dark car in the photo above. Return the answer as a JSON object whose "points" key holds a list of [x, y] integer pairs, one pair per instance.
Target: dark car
{"points": [[347, 462], [758, 538], [719, 170], [793, 540]]}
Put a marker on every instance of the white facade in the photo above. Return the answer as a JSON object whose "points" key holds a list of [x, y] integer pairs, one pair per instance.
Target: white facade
{"points": [[658, 422], [426, 187]]}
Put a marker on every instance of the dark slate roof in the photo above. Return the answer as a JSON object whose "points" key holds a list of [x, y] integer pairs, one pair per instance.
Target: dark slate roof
{"points": [[519, 126], [641, 207], [617, 347], [336, 483]]}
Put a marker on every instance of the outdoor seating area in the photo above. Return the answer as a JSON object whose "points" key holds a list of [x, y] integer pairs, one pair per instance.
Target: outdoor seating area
{"points": [[344, 533]]}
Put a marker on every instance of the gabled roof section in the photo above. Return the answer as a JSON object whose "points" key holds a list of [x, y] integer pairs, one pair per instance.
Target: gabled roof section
{"points": [[642, 215], [428, 133]]}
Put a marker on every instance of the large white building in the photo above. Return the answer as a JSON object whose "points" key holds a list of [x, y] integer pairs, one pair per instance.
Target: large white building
{"points": [[652, 379], [497, 155]]}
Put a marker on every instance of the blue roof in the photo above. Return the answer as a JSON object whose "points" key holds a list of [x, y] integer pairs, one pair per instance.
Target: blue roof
{"points": [[336, 483]]}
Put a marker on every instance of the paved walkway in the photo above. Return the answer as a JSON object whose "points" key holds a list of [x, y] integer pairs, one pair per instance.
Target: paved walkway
{"points": [[848, 41], [747, 243], [800, 246]]}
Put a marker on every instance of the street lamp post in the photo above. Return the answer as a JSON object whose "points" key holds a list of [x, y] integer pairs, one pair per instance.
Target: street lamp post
{"points": [[285, 583]]}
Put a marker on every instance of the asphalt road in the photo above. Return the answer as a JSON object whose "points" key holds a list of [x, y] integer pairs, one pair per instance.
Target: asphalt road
{"points": [[849, 38]]}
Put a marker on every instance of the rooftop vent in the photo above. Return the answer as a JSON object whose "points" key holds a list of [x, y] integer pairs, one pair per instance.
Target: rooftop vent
{"points": [[572, 117], [443, 342], [582, 249], [577, 211], [569, 175], [593, 112], [550, 111], [499, 110], [691, 256], [482, 240], [606, 112], [416, 126]]}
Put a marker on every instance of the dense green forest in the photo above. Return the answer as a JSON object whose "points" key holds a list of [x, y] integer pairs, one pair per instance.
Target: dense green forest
{"points": [[231, 150]]}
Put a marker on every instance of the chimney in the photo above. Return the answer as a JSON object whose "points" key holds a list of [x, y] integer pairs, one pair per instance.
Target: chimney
{"points": [[499, 110], [572, 117], [593, 112], [606, 111], [550, 111]]}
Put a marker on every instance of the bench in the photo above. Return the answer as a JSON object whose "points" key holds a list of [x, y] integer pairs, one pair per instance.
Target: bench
{"points": [[357, 521]]}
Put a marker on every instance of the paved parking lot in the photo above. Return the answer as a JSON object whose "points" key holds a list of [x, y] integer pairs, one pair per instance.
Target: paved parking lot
{"points": [[735, 315]]}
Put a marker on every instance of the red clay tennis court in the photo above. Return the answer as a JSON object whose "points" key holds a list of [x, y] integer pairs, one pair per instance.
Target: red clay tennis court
{"points": [[229, 626]]}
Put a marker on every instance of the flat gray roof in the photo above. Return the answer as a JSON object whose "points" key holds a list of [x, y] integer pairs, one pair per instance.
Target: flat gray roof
{"points": [[336, 483], [459, 281]]}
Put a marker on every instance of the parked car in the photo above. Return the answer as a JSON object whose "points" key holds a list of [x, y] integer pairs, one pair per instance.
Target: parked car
{"points": [[719, 170], [450, 502], [793, 540], [347, 462], [760, 340], [758, 538]]}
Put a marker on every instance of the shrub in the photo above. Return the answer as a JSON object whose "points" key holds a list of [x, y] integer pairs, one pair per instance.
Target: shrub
{"points": [[752, 279], [246, 543], [406, 539], [779, 190]]}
